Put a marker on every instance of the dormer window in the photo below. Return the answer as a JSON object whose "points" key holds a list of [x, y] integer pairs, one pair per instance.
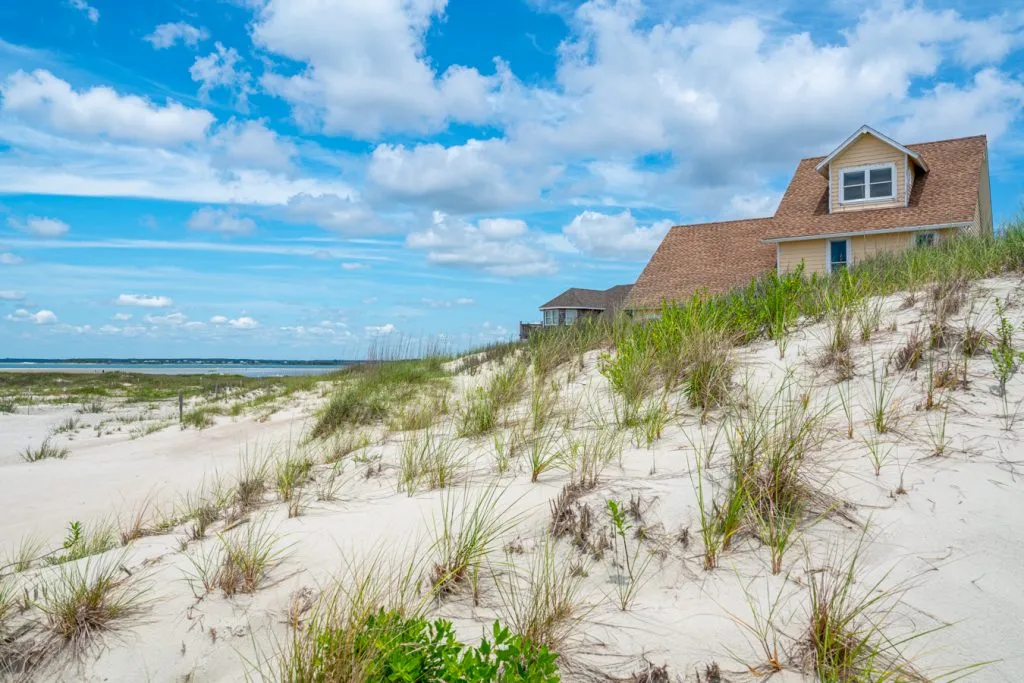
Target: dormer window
{"points": [[868, 183]]}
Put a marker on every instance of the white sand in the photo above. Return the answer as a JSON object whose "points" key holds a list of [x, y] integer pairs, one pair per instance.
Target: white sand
{"points": [[954, 538]]}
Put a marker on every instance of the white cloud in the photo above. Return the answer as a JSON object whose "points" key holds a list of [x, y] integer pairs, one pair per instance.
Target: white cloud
{"points": [[144, 301], [252, 144], [218, 320], [219, 69], [227, 222], [11, 295], [350, 265], [243, 323], [175, 319], [476, 176], [91, 12], [122, 316], [166, 35], [100, 111], [9, 259], [496, 246], [989, 103], [448, 303], [614, 236], [40, 317], [40, 227], [379, 330], [346, 213], [365, 68]]}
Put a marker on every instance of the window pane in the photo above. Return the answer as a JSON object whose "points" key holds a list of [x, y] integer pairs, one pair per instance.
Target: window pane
{"points": [[881, 175], [570, 316], [881, 189], [837, 252], [925, 239], [853, 192], [853, 178]]}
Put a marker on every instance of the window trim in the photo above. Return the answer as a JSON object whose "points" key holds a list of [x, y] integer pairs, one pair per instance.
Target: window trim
{"points": [[828, 253], [867, 184]]}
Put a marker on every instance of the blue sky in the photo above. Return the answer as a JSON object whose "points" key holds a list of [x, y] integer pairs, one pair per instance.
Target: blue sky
{"points": [[301, 178]]}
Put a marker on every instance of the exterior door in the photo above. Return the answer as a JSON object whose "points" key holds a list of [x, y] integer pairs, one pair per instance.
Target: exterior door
{"points": [[838, 254]]}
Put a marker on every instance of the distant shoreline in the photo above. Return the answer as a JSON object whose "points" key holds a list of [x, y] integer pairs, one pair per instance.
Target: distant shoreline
{"points": [[223, 367]]}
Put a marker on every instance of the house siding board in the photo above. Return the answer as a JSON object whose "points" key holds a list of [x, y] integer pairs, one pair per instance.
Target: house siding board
{"points": [[809, 252], [867, 151]]}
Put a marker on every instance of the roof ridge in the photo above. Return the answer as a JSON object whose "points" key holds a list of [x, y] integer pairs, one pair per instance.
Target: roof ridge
{"points": [[913, 144], [734, 220]]}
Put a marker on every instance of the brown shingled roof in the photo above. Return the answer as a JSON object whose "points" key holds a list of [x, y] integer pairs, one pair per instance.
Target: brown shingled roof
{"points": [[947, 193], [711, 256], [594, 299]]}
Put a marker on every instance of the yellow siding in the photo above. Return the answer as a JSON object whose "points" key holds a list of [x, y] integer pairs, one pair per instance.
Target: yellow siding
{"points": [[983, 212], [866, 246], [810, 252], [866, 151]]}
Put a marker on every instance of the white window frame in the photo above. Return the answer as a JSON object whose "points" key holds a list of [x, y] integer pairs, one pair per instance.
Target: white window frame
{"points": [[923, 233], [867, 184], [828, 253]]}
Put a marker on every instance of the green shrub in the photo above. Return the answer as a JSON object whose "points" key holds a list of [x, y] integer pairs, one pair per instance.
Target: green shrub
{"points": [[393, 647]]}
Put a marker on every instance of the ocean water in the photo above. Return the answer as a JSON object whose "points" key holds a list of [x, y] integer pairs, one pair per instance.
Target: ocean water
{"points": [[247, 369]]}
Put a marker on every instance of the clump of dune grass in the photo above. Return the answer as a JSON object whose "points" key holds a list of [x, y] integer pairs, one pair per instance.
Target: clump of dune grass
{"points": [[80, 601], [882, 407], [135, 524], [850, 636], [240, 561], [542, 452], [909, 355], [200, 418], [587, 457], [291, 473], [429, 460], [629, 374], [485, 406], [44, 451], [768, 489], [769, 443], [251, 485], [465, 531], [29, 550], [67, 425], [342, 445], [544, 603]]}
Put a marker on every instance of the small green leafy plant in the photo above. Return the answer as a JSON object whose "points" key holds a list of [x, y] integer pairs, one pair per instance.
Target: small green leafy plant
{"points": [[393, 647]]}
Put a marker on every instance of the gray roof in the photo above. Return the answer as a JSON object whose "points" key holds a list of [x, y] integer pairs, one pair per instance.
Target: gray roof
{"points": [[590, 299]]}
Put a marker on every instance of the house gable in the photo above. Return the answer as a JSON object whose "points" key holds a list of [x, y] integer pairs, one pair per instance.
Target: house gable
{"points": [[867, 155]]}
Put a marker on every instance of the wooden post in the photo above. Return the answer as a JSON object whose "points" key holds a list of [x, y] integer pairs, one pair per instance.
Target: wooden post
{"points": [[181, 405]]}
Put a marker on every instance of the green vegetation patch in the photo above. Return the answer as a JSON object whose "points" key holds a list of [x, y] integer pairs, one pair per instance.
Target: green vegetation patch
{"points": [[369, 393], [393, 647]]}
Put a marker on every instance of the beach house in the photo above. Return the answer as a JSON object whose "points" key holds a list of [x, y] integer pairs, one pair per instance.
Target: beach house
{"points": [[575, 304], [870, 195]]}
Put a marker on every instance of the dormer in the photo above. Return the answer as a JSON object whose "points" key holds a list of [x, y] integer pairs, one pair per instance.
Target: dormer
{"points": [[870, 171]]}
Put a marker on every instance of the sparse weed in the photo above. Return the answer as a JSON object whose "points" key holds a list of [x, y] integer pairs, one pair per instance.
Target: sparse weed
{"points": [[44, 451], [543, 605], [239, 562], [466, 531]]}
